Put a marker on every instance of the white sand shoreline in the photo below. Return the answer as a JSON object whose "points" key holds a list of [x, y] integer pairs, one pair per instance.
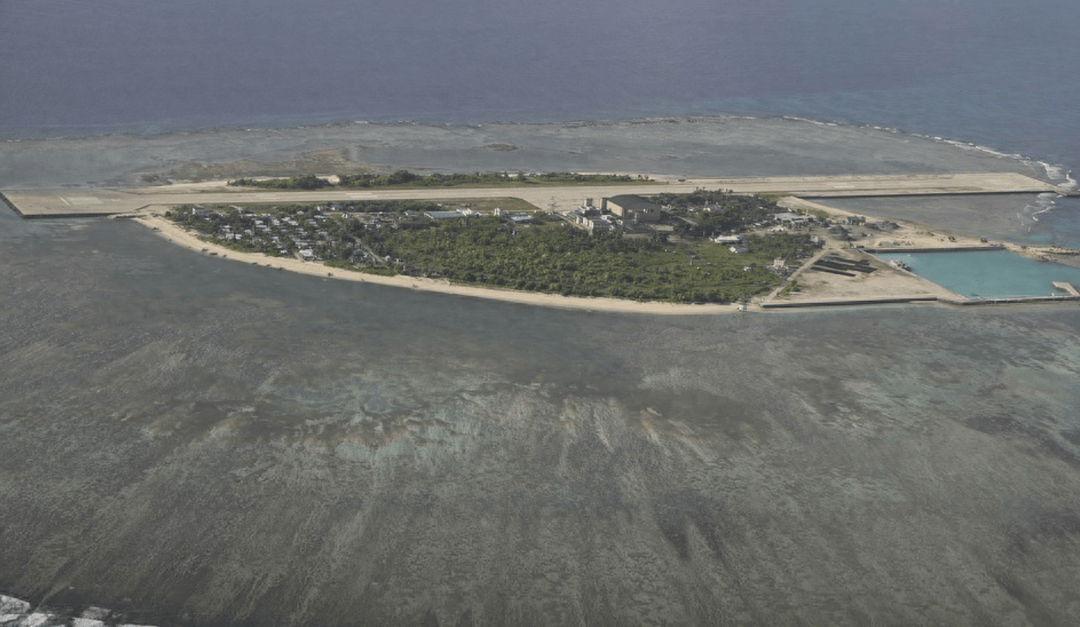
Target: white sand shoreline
{"points": [[177, 235]]}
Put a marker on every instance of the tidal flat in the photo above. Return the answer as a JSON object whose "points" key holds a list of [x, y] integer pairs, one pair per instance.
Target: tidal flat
{"points": [[204, 443]]}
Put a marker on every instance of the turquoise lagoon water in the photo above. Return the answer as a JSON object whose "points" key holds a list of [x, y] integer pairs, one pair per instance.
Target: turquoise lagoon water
{"points": [[988, 274]]}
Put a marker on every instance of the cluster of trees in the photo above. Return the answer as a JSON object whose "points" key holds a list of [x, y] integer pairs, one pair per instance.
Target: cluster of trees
{"points": [[571, 178], [390, 206], [405, 178], [569, 261], [307, 182]]}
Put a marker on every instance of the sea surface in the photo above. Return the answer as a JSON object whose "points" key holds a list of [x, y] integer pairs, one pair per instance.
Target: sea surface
{"points": [[194, 441], [988, 74]]}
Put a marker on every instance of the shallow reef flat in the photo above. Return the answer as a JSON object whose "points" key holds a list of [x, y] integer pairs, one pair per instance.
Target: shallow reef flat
{"points": [[202, 443], [691, 147]]}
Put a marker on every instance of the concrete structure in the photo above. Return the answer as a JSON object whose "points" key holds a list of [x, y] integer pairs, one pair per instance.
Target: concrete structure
{"points": [[61, 203], [444, 215], [1066, 287], [633, 208], [789, 218]]}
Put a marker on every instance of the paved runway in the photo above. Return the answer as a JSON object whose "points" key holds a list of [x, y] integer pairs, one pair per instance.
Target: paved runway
{"points": [[89, 202]]}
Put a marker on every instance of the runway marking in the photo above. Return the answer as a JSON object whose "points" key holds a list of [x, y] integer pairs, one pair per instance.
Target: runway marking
{"points": [[81, 200]]}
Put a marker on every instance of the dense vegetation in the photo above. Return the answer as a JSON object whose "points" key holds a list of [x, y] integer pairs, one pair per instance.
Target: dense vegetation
{"points": [[405, 178], [549, 255], [306, 182], [565, 260]]}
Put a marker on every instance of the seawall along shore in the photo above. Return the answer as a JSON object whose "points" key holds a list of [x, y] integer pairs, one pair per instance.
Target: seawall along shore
{"points": [[934, 249]]}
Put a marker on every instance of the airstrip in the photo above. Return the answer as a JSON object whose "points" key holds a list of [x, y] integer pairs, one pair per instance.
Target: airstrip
{"points": [[103, 202]]}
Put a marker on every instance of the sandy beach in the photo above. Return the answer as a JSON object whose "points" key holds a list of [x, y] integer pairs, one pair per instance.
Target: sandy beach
{"points": [[173, 233]]}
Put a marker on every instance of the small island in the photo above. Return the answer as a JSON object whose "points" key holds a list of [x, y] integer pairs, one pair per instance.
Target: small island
{"points": [[700, 247], [699, 251], [613, 242]]}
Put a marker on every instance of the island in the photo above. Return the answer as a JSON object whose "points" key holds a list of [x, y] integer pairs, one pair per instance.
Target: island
{"points": [[412, 173], [638, 243]]}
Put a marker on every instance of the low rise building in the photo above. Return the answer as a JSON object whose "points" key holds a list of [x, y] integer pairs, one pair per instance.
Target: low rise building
{"points": [[632, 208], [790, 219]]}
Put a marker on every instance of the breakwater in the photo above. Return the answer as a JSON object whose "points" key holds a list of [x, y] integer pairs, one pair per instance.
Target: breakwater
{"points": [[1017, 300], [850, 301], [932, 249]]}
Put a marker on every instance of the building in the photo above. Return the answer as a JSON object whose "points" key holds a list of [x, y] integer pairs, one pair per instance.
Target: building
{"points": [[790, 219], [632, 208], [600, 225], [444, 215]]}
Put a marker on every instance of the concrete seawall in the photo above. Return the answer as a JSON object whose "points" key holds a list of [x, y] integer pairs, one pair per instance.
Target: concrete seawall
{"points": [[850, 302], [943, 192], [934, 249], [1017, 300]]}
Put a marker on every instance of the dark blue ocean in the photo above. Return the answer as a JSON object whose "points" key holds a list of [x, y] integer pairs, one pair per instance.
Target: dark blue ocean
{"points": [[999, 74]]}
